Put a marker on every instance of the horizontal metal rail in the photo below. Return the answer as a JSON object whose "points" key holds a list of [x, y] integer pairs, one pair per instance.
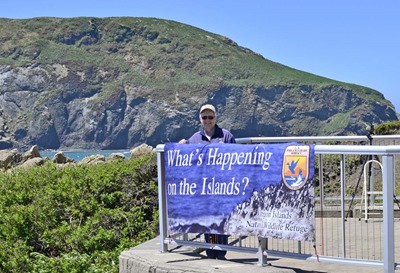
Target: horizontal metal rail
{"points": [[315, 139]]}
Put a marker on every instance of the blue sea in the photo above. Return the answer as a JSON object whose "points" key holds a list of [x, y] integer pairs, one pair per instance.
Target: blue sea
{"points": [[78, 155]]}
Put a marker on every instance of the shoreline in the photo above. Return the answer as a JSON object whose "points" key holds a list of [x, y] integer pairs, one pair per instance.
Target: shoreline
{"points": [[80, 154]]}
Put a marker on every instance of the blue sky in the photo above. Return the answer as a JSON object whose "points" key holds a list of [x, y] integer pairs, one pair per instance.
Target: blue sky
{"points": [[354, 41]]}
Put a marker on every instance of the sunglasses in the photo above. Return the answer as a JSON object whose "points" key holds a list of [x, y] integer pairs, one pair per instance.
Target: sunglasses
{"points": [[207, 117]]}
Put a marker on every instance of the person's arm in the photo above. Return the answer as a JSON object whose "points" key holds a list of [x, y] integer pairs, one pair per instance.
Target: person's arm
{"points": [[228, 136], [183, 141]]}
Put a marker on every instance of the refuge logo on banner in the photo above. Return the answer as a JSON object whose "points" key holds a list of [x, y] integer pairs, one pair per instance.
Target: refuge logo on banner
{"points": [[295, 166], [264, 190]]}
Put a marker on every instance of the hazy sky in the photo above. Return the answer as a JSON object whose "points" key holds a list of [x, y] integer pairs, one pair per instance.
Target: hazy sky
{"points": [[354, 41]]}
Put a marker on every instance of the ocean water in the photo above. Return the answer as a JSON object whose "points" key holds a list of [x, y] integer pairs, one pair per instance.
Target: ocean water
{"points": [[80, 154]]}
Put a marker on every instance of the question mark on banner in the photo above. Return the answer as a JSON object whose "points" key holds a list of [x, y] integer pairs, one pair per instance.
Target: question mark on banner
{"points": [[245, 180]]}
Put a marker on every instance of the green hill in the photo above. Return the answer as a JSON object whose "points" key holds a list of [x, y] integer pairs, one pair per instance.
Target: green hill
{"points": [[111, 83]]}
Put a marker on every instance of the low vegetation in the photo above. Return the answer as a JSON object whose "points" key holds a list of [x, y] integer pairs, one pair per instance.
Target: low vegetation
{"points": [[388, 128], [156, 53], [76, 218]]}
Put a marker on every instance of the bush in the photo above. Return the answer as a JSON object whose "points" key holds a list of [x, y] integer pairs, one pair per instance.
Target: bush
{"points": [[76, 218], [387, 128]]}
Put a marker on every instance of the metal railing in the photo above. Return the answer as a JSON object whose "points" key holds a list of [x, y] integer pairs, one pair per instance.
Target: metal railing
{"points": [[341, 236]]}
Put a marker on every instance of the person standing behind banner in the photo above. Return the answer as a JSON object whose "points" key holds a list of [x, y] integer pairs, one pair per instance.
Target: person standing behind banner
{"points": [[211, 133]]}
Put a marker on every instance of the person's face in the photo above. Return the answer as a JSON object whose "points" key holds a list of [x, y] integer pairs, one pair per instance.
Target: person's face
{"points": [[206, 121]]}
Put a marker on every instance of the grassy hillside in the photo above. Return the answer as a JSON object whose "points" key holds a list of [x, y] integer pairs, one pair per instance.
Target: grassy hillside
{"points": [[115, 83], [149, 52]]}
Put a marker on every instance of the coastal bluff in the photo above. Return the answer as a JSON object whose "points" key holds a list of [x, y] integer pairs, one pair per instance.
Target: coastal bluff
{"points": [[115, 83]]}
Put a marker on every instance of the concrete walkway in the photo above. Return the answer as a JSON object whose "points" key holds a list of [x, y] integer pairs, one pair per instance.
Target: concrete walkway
{"points": [[147, 258]]}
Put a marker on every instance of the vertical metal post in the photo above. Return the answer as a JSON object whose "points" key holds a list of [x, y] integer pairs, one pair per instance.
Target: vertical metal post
{"points": [[321, 180], [342, 201], [321, 194], [388, 214], [371, 173], [162, 200], [262, 247], [395, 158], [372, 184]]}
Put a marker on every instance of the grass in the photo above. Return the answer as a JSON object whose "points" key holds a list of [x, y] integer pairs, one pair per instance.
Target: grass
{"points": [[161, 57], [196, 55]]}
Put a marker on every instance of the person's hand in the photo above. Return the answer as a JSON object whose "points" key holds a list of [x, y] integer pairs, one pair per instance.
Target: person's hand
{"points": [[183, 141]]}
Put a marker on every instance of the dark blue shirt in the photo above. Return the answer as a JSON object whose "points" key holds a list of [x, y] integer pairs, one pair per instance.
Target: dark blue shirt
{"points": [[220, 136]]}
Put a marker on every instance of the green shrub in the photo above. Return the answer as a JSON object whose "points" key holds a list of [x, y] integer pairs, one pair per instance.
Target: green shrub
{"points": [[387, 128], [76, 218]]}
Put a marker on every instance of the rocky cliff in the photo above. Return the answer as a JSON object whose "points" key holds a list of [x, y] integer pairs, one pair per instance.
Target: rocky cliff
{"points": [[114, 83]]}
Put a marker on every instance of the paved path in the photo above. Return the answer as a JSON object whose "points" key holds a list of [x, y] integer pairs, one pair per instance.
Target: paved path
{"points": [[364, 241], [147, 258]]}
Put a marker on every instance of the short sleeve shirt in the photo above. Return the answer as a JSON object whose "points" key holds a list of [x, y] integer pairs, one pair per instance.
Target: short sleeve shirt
{"points": [[220, 136]]}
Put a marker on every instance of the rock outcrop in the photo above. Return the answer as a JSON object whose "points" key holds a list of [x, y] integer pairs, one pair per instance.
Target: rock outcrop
{"points": [[9, 158], [60, 158], [141, 150], [115, 83], [94, 159], [13, 159]]}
